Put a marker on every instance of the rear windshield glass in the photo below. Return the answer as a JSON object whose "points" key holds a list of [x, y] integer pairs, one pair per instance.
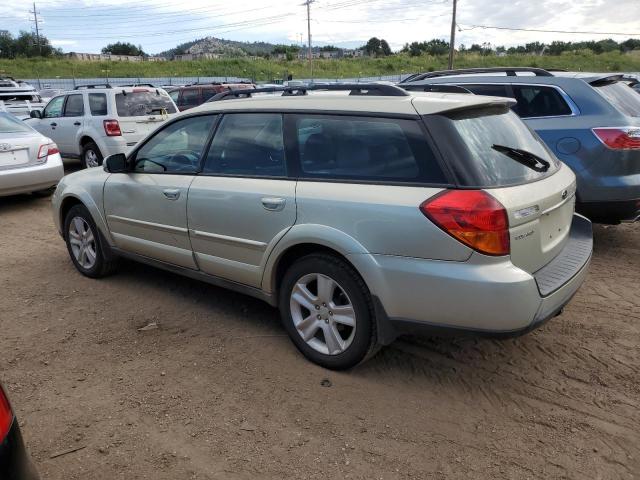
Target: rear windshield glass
{"points": [[492, 147], [10, 124], [19, 98], [141, 104], [622, 97]]}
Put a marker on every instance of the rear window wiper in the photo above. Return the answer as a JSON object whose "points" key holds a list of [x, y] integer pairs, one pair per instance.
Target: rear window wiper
{"points": [[527, 159]]}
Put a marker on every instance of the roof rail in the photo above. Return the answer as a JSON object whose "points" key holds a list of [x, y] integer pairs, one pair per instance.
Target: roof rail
{"points": [[150, 85], [97, 85], [378, 89], [436, 88], [510, 71]]}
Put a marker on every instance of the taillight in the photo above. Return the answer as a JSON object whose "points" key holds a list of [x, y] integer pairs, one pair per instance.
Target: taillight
{"points": [[6, 415], [619, 138], [47, 149], [473, 217], [112, 128]]}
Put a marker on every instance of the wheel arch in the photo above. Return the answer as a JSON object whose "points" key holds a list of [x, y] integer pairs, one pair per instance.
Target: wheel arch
{"points": [[82, 197]]}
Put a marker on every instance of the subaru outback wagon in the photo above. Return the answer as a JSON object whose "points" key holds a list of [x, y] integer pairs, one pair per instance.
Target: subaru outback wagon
{"points": [[591, 121], [362, 216]]}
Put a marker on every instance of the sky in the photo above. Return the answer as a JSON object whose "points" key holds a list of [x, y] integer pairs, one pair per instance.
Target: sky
{"points": [[157, 25]]}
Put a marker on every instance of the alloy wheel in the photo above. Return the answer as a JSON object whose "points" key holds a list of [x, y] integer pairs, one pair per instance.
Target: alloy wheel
{"points": [[83, 242], [323, 314]]}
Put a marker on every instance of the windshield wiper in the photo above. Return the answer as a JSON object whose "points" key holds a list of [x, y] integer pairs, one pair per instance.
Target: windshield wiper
{"points": [[527, 159]]}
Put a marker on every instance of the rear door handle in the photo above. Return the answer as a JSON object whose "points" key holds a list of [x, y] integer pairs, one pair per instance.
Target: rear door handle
{"points": [[171, 193], [274, 204], [77, 124]]}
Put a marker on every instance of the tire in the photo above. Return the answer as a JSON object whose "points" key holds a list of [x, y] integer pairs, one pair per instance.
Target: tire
{"points": [[98, 259], [319, 321], [91, 156]]}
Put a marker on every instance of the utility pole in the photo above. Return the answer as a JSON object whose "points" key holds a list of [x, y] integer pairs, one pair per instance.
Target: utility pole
{"points": [[452, 40], [36, 22], [308, 4]]}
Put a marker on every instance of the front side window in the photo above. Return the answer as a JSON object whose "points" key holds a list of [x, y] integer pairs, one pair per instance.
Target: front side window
{"points": [[176, 148], [74, 106], [538, 101], [143, 103], [98, 104], [54, 107], [362, 148], [248, 144]]}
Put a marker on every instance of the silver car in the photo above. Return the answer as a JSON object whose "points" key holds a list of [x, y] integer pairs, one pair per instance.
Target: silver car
{"points": [[29, 161], [361, 216]]}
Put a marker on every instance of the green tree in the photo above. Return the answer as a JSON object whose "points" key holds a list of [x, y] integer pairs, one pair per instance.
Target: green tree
{"points": [[122, 48]]}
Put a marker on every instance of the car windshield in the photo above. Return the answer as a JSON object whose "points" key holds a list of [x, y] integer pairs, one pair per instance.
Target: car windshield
{"points": [[497, 149], [10, 124], [143, 103], [622, 97]]}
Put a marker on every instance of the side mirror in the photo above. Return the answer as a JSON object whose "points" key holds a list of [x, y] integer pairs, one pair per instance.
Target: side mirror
{"points": [[116, 163], [35, 114]]}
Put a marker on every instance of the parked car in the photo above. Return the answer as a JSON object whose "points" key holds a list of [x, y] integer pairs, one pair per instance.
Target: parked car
{"points": [[18, 98], [591, 121], [94, 121], [198, 93], [15, 463], [362, 216], [48, 93], [29, 161]]}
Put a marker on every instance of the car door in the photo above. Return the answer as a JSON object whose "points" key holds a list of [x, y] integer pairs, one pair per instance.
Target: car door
{"points": [[70, 123], [47, 125], [242, 202], [146, 209]]}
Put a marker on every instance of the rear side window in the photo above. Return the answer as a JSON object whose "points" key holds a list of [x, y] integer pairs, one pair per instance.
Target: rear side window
{"points": [[479, 145], [74, 106], [363, 148], [625, 99], [248, 144], [190, 98], [538, 101], [488, 90], [98, 104], [142, 104]]}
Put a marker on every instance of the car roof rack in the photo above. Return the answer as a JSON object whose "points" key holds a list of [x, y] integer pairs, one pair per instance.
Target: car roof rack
{"points": [[150, 85], [377, 89], [510, 71], [436, 88], [95, 85]]}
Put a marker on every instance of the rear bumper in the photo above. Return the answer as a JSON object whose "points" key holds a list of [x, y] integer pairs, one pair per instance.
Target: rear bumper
{"points": [[15, 463], [481, 296], [31, 179], [611, 212]]}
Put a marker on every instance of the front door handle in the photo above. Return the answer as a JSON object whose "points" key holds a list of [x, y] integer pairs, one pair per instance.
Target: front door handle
{"points": [[274, 204], [53, 124], [171, 193], [77, 124]]}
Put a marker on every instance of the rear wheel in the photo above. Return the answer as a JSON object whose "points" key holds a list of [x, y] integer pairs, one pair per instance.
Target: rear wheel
{"points": [[327, 311], [91, 156], [87, 248]]}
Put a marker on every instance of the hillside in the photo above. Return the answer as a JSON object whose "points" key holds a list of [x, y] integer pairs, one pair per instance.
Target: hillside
{"points": [[221, 46]]}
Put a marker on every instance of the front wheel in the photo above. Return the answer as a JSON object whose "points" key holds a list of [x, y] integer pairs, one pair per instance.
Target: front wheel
{"points": [[91, 156], [87, 248], [327, 311]]}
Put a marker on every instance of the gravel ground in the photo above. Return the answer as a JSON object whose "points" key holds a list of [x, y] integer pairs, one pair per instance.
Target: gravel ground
{"points": [[217, 391]]}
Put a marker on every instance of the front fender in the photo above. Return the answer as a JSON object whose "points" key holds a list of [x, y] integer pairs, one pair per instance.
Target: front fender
{"points": [[308, 234], [90, 194]]}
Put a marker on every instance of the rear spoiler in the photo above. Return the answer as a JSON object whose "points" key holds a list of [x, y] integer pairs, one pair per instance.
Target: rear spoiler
{"points": [[605, 80]]}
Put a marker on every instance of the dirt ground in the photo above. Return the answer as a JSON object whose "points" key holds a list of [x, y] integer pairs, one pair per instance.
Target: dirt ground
{"points": [[219, 392]]}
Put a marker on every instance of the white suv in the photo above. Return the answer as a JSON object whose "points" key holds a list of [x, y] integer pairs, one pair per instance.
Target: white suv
{"points": [[95, 121]]}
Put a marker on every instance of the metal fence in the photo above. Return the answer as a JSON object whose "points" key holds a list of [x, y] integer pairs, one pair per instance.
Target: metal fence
{"points": [[71, 83]]}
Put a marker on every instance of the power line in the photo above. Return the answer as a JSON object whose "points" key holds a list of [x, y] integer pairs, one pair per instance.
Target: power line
{"points": [[539, 30]]}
